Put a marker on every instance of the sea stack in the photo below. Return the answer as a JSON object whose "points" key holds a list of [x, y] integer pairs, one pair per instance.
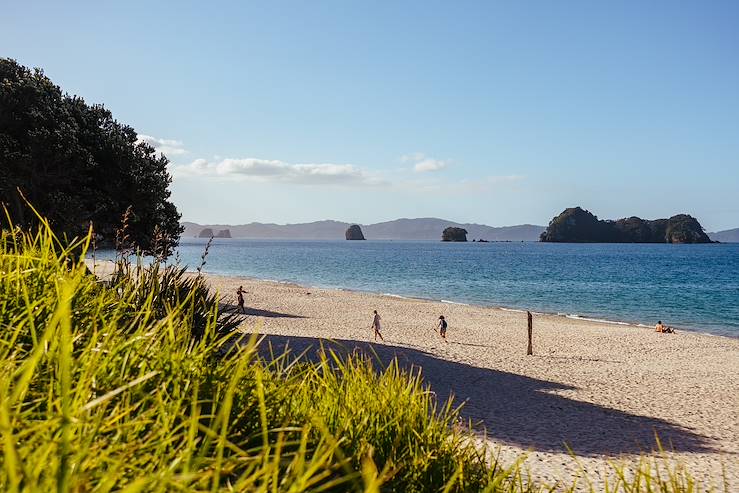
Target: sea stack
{"points": [[205, 233], [454, 234], [223, 233], [354, 232], [577, 225]]}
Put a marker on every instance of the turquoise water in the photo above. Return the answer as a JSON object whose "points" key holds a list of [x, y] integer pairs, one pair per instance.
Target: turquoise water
{"points": [[688, 286]]}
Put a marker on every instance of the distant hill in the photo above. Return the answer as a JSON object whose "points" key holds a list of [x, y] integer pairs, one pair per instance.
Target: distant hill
{"points": [[399, 229], [728, 236], [576, 225]]}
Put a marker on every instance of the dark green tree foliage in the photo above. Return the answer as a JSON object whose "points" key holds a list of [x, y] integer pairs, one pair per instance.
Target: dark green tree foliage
{"points": [[576, 225], [454, 234], [77, 165]]}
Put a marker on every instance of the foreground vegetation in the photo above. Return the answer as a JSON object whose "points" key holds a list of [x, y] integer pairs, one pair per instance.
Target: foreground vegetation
{"points": [[136, 384]]}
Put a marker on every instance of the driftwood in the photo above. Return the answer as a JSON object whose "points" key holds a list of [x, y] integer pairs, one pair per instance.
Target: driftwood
{"points": [[530, 349]]}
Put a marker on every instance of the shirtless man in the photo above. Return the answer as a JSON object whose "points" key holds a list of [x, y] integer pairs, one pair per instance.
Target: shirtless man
{"points": [[663, 328]]}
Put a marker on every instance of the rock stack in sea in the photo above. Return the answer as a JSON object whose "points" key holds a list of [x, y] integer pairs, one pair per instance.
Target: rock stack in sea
{"points": [[454, 234], [576, 225], [205, 233], [354, 232], [223, 233]]}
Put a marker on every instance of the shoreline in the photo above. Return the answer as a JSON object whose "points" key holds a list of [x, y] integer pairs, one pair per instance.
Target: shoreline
{"points": [[593, 393], [571, 316], [604, 389]]}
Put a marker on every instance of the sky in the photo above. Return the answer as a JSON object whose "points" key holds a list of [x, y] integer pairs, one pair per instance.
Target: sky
{"points": [[498, 112]]}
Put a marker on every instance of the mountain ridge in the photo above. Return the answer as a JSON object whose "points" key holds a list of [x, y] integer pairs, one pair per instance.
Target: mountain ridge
{"points": [[726, 236], [425, 228]]}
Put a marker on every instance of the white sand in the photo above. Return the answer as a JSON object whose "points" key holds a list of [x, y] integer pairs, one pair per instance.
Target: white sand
{"points": [[602, 389]]}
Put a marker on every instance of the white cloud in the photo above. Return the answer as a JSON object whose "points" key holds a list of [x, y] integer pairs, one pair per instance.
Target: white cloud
{"points": [[168, 147], [271, 170], [429, 165], [422, 163], [330, 174]]}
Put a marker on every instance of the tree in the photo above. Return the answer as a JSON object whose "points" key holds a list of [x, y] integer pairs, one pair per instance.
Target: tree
{"points": [[78, 166]]}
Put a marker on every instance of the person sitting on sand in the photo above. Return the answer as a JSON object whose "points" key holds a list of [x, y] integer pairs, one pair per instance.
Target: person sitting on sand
{"points": [[442, 327], [376, 326], [663, 328], [240, 297]]}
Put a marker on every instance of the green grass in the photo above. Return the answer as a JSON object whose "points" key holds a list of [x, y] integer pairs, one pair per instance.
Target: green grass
{"points": [[135, 385]]}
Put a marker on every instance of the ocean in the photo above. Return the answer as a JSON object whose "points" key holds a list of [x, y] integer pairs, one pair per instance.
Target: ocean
{"points": [[693, 287]]}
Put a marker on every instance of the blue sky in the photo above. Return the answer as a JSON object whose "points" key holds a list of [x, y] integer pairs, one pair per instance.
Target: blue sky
{"points": [[493, 112]]}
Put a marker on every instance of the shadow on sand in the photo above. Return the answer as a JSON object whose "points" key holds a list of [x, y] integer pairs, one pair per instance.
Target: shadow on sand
{"points": [[254, 312], [515, 409]]}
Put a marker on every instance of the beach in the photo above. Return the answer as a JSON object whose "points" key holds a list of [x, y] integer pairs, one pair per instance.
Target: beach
{"points": [[592, 392]]}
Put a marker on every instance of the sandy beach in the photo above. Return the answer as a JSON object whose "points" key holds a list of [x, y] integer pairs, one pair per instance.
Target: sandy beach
{"points": [[603, 390]]}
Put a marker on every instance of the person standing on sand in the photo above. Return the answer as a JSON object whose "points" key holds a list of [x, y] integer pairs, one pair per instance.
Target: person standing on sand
{"points": [[442, 327], [240, 297], [376, 326]]}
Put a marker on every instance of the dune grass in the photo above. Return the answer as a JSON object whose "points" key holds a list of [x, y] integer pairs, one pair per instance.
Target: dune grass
{"points": [[135, 384]]}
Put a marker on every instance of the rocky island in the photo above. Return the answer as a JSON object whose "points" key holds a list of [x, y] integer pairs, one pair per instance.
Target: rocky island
{"points": [[354, 232], [208, 233], [454, 234], [577, 225]]}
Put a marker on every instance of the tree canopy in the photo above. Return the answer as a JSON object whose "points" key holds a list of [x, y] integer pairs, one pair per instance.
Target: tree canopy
{"points": [[78, 166]]}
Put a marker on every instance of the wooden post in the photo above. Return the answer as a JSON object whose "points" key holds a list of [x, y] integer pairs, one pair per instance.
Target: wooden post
{"points": [[530, 349]]}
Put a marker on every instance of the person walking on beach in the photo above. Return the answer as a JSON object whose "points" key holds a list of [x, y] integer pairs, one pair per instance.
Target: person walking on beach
{"points": [[376, 326], [240, 298], [442, 327]]}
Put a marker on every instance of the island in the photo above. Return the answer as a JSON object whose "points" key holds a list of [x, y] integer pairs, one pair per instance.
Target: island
{"points": [[208, 233], [577, 225], [354, 232], [454, 234]]}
